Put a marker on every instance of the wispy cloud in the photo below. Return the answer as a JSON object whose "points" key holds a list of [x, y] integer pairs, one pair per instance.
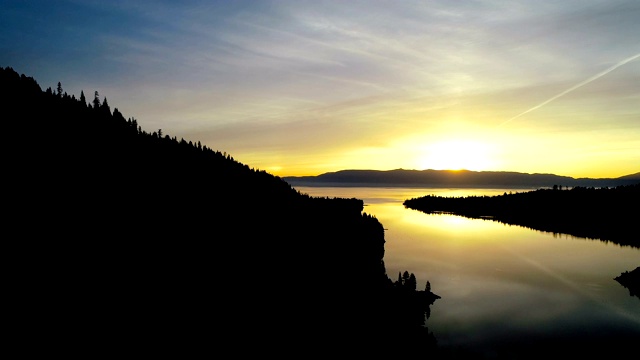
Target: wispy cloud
{"points": [[583, 83], [345, 74]]}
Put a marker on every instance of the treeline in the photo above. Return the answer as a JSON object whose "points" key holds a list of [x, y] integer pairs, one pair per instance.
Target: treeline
{"points": [[133, 238], [608, 214]]}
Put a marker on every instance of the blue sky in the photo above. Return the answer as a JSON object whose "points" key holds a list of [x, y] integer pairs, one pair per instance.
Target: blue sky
{"points": [[305, 87]]}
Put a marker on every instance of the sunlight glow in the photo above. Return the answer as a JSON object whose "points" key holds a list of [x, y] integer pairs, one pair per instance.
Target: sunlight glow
{"points": [[300, 88], [458, 155]]}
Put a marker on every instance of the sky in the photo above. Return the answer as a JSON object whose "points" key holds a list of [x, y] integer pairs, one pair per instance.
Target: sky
{"points": [[307, 87]]}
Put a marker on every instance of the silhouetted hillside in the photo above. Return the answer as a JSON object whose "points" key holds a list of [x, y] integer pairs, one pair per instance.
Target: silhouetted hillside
{"points": [[128, 238], [451, 178], [608, 214], [632, 177], [630, 280]]}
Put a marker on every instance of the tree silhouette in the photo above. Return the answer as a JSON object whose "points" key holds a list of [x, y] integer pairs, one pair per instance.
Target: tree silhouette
{"points": [[105, 107], [412, 283], [96, 100]]}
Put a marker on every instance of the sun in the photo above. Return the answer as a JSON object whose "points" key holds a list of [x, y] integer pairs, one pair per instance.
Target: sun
{"points": [[457, 155]]}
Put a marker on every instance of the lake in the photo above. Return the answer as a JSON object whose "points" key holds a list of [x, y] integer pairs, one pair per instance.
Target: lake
{"points": [[504, 288]]}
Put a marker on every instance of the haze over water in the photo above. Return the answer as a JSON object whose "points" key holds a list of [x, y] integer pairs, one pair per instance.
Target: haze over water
{"points": [[502, 285]]}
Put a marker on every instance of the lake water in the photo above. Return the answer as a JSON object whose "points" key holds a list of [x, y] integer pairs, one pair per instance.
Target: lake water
{"points": [[503, 286]]}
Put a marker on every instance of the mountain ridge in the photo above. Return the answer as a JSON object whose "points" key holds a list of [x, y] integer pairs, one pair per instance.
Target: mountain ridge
{"points": [[458, 178]]}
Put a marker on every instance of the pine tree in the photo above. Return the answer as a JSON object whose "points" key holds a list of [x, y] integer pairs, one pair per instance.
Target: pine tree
{"points": [[105, 106], [412, 282], [96, 100], [405, 276]]}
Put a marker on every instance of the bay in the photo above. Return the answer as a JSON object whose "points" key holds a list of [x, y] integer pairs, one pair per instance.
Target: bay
{"points": [[505, 289]]}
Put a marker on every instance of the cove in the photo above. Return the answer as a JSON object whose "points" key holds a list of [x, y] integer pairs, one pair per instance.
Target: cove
{"points": [[505, 289]]}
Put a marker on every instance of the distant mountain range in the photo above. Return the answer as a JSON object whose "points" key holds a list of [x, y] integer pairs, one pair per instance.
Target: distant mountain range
{"points": [[454, 178]]}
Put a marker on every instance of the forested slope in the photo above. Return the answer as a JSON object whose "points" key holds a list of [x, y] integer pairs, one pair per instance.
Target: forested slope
{"points": [[133, 238], [607, 214]]}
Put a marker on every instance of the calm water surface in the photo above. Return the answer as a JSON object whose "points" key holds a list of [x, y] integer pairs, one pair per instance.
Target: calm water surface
{"points": [[500, 284]]}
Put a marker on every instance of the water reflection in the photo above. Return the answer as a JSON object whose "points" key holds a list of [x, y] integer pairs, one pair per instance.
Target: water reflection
{"points": [[501, 284]]}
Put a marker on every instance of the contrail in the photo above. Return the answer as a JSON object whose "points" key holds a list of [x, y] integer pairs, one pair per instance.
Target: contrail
{"points": [[601, 74]]}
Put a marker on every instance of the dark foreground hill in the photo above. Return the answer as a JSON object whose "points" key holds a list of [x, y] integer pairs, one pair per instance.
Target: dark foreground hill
{"points": [[127, 241], [451, 178], [607, 214], [630, 280]]}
